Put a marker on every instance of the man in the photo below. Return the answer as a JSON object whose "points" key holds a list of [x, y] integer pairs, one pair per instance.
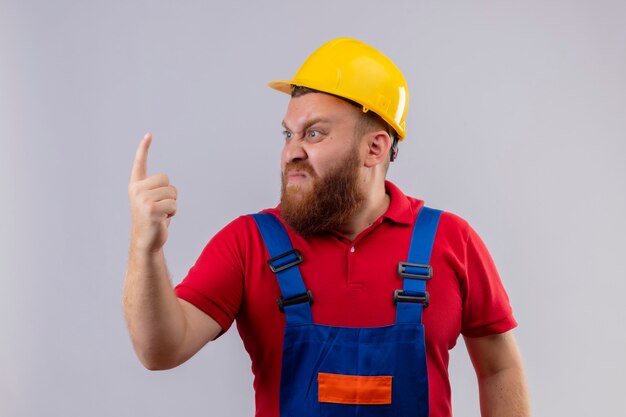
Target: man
{"points": [[372, 287]]}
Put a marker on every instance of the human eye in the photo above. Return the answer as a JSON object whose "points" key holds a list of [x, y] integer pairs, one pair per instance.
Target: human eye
{"points": [[314, 134], [287, 134]]}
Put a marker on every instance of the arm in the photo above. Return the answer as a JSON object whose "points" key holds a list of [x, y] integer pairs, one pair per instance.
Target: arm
{"points": [[501, 380], [164, 330]]}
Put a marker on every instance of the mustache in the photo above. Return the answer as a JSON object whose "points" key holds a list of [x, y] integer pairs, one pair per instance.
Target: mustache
{"points": [[303, 166]]}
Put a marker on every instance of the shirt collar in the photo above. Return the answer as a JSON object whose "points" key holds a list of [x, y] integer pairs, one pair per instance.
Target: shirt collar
{"points": [[400, 209]]}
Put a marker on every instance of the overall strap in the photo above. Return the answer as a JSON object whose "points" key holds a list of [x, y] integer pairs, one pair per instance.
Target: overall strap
{"points": [[411, 300], [296, 300]]}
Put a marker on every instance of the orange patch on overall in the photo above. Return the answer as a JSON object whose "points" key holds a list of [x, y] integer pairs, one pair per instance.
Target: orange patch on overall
{"points": [[353, 389]]}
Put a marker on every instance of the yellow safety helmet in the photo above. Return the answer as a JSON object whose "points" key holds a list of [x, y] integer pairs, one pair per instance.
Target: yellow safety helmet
{"points": [[351, 69]]}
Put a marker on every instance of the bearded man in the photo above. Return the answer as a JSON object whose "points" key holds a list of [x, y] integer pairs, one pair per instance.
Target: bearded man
{"points": [[349, 294]]}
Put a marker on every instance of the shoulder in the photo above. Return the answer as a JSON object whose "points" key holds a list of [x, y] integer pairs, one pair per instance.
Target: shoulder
{"points": [[243, 226], [453, 225], [454, 233], [238, 238], [404, 209]]}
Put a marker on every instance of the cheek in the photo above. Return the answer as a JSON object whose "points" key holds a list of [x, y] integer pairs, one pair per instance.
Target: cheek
{"points": [[315, 162], [283, 159]]}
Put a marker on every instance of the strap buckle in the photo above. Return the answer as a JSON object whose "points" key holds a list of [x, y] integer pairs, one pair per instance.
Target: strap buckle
{"points": [[415, 271], [399, 296], [296, 299], [285, 260]]}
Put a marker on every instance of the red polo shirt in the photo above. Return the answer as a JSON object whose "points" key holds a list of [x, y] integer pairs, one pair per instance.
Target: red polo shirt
{"points": [[353, 284]]}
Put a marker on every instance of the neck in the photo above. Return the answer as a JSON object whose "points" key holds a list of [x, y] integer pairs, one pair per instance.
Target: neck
{"points": [[374, 206]]}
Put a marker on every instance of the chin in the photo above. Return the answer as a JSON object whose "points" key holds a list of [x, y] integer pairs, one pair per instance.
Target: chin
{"points": [[298, 188]]}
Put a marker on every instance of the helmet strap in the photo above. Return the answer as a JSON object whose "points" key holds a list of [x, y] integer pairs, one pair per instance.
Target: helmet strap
{"points": [[394, 148]]}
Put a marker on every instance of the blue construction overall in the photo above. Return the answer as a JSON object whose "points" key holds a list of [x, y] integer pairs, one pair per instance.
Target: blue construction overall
{"points": [[358, 372]]}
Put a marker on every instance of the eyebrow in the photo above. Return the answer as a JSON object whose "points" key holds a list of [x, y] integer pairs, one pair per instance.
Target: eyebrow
{"points": [[309, 123]]}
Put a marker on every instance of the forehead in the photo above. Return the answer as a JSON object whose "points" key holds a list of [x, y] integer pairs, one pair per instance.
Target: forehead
{"points": [[319, 107]]}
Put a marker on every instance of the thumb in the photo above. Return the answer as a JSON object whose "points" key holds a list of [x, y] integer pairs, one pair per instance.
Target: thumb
{"points": [[140, 165]]}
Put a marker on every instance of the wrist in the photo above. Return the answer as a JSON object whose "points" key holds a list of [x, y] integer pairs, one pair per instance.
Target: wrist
{"points": [[145, 253]]}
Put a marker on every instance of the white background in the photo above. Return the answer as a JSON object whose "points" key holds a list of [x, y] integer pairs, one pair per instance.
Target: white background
{"points": [[517, 123]]}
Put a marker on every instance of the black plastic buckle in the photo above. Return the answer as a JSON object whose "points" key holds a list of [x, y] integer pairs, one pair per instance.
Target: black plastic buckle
{"points": [[287, 265], [400, 297], [404, 267], [296, 299]]}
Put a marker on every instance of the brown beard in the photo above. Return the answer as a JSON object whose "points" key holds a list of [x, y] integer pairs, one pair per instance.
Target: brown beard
{"points": [[332, 201]]}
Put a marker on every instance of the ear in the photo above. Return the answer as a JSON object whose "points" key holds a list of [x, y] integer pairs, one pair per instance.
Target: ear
{"points": [[378, 146]]}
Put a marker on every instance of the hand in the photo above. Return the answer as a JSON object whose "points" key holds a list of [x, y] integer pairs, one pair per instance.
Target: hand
{"points": [[152, 202]]}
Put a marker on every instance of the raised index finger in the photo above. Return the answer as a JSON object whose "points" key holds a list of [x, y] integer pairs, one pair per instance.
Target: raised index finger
{"points": [[140, 165]]}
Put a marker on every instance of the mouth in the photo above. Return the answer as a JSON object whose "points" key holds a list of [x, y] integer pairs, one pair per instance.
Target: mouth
{"points": [[296, 177]]}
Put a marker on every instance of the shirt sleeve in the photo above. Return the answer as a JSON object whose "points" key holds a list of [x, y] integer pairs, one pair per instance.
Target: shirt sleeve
{"points": [[486, 307], [215, 282]]}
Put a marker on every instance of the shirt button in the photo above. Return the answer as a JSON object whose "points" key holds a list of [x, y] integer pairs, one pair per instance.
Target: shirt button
{"points": [[352, 249]]}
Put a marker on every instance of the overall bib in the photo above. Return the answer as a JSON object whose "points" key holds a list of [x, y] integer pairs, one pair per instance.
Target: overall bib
{"points": [[332, 371]]}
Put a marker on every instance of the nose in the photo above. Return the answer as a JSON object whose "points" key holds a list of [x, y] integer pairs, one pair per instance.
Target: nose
{"points": [[294, 150]]}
